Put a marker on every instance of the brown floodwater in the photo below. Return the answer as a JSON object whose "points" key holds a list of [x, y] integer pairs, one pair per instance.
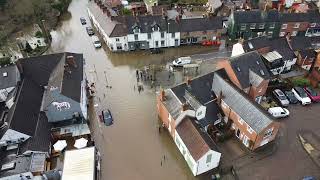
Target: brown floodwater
{"points": [[132, 148]]}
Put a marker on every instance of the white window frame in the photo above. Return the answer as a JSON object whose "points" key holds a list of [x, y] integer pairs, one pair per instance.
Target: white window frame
{"points": [[272, 26], [261, 26], [270, 33], [253, 26], [243, 27], [313, 25], [282, 33], [250, 130], [117, 39], [296, 25], [294, 33], [240, 120], [284, 26]]}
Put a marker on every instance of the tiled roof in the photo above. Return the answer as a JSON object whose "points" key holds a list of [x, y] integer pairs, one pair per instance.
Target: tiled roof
{"points": [[256, 43], [245, 63], [247, 109], [256, 16], [192, 138], [282, 47], [300, 43], [172, 104], [201, 24], [9, 76]]}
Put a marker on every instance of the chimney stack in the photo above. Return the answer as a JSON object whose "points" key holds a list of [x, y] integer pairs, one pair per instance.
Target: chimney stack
{"points": [[162, 95], [71, 61], [184, 107], [188, 81]]}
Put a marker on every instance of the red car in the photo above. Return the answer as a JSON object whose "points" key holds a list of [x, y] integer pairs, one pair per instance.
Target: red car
{"points": [[313, 94]]}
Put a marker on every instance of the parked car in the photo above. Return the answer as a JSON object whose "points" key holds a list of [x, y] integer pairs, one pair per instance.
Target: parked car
{"points": [[301, 95], [106, 117], [281, 97], [156, 51], [83, 21], [182, 61], [96, 42], [313, 94], [291, 97], [90, 31], [309, 178], [279, 112]]}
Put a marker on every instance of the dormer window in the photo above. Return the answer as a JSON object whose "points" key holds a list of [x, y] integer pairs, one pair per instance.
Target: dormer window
{"points": [[136, 30], [155, 28]]}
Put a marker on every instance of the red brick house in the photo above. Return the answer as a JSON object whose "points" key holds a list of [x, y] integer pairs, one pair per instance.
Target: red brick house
{"points": [[252, 125], [187, 110], [249, 73], [314, 75]]}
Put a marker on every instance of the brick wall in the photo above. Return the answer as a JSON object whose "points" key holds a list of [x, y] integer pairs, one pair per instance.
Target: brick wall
{"points": [[226, 65], [164, 116], [260, 90], [260, 138]]}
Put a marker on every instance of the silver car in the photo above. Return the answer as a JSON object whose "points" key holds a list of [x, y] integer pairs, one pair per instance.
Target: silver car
{"points": [[281, 97]]}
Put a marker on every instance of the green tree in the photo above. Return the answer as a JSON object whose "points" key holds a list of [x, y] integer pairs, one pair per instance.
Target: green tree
{"points": [[126, 12]]}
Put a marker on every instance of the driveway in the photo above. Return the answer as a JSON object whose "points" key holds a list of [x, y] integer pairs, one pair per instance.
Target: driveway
{"points": [[290, 160]]}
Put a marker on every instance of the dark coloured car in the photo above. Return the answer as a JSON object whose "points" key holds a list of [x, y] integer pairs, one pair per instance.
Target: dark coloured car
{"points": [[313, 94], [90, 31], [156, 51], [291, 97], [106, 117], [83, 21]]}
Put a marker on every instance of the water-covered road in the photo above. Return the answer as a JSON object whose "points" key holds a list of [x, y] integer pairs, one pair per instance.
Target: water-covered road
{"points": [[132, 148]]}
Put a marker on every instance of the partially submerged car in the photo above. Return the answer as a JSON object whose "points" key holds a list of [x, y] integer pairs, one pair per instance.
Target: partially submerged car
{"points": [[182, 61], [106, 117]]}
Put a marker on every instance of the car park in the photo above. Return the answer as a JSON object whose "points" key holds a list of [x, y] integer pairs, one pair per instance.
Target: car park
{"points": [[291, 97], [281, 97], [83, 21], [313, 94], [96, 42], [90, 31], [182, 61], [279, 112], [301, 95]]}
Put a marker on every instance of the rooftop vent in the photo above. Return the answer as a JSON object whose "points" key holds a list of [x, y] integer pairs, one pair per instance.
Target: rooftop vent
{"points": [[238, 69], [250, 45], [8, 166], [257, 62], [5, 74], [262, 72]]}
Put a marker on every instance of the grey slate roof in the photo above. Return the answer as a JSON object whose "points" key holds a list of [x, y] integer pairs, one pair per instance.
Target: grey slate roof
{"points": [[12, 77], [248, 110], [201, 24], [257, 43], [172, 104], [245, 63], [294, 17], [282, 47], [200, 89], [256, 16], [300, 43], [106, 23]]}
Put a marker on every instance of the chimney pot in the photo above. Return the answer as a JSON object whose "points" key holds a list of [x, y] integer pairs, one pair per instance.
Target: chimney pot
{"points": [[184, 107]]}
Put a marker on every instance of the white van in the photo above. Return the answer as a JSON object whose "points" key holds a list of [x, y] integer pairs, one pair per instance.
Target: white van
{"points": [[182, 61], [278, 112], [96, 42]]}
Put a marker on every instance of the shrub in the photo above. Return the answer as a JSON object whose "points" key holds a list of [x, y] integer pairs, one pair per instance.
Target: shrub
{"points": [[39, 34], [300, 82], [5, 61]]}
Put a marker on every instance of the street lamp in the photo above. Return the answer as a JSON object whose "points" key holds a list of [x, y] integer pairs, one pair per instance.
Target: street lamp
{"points": [[168, 38]]}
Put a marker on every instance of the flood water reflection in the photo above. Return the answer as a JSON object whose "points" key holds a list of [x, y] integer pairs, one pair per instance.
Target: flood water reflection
{"points": [[132, 148]]}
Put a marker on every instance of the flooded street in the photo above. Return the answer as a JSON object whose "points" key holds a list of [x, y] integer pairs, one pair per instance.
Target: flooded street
{"points": [[132, 148]]}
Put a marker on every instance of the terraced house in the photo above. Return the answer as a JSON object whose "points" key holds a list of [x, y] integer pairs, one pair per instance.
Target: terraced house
{"points": [[251, 24], [129, 33]]}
